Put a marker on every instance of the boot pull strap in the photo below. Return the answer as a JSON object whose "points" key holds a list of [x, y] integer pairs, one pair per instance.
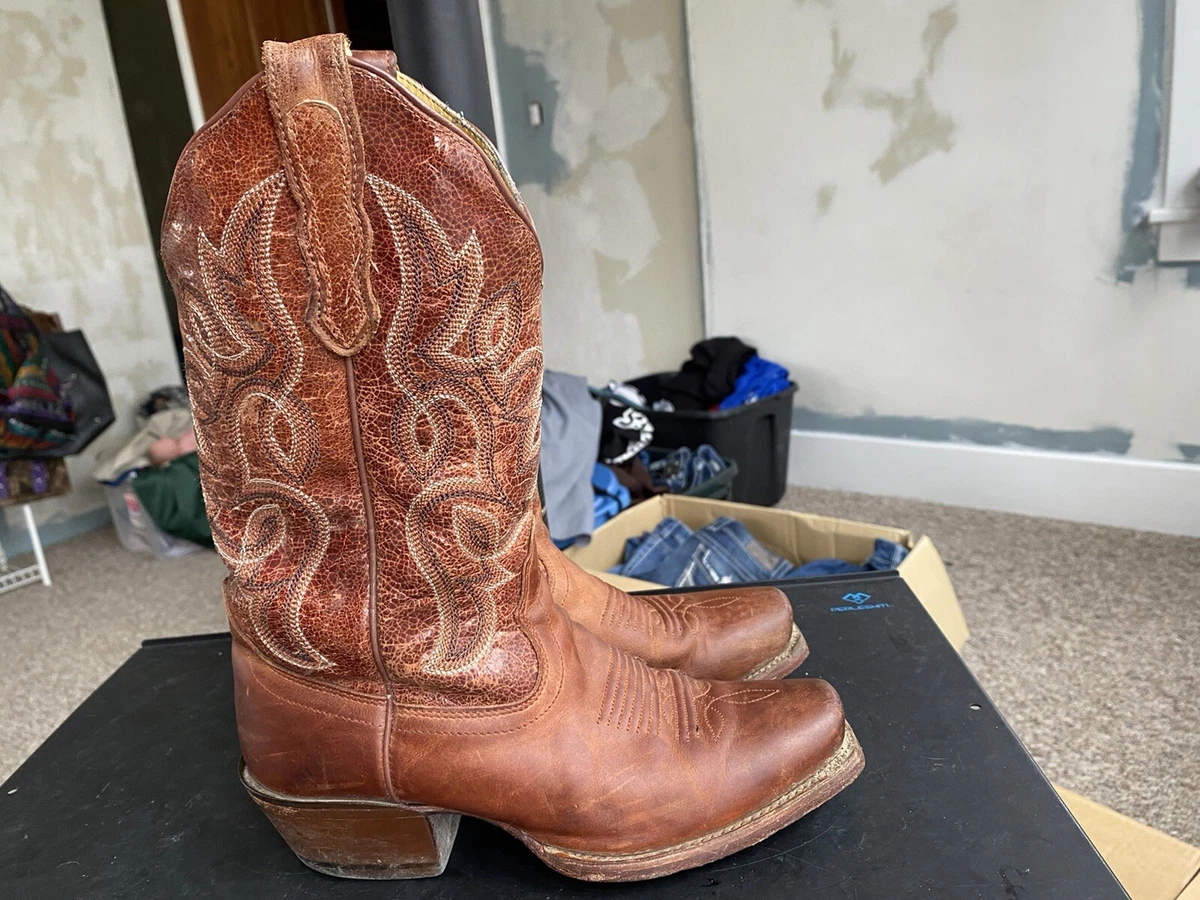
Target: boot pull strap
{"points": [[317, 128], [384, 60]]}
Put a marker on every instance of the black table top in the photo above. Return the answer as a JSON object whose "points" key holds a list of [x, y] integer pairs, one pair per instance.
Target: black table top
{"points": [[137, 796]]}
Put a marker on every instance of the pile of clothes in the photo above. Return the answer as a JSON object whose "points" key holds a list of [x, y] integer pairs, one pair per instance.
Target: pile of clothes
{"points": [[36, 413], [721, 373], [618, 487], [597, 458], [724, 552], [159, 465], [53, 398]]}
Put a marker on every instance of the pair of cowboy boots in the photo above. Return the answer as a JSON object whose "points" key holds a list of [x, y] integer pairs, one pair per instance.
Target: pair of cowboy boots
{"points": [[359, 288]]}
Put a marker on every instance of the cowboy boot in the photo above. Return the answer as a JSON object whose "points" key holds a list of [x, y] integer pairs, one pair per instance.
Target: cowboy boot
{"points": [[728, 633], [358, 286], [735, 633]]}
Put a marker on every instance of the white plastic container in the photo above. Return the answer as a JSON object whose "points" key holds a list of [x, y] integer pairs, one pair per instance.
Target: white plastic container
{"points": [[135, 529]]}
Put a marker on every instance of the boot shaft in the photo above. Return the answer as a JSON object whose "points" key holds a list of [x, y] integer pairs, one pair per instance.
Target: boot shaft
{"points": [[359, 292]]}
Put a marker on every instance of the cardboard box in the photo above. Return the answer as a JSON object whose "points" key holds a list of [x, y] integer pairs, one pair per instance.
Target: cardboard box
{"points": [[1149, 864], [798, 536]]}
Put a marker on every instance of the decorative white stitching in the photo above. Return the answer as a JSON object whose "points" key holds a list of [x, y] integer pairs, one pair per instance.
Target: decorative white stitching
{"points": [[235, 394], [478, 374]]}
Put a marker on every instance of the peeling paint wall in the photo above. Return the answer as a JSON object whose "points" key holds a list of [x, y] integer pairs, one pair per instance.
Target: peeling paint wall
{"points": [[923, 209], [609, 177], [74, 238]]}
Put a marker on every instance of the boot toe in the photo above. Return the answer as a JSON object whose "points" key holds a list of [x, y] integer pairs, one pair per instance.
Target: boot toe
{"points": [[797, 725], [742, 631]]}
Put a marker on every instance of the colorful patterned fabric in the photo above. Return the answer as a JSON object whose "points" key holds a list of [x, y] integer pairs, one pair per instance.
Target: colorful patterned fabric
{"points": [[22, 480], [35, 414]]}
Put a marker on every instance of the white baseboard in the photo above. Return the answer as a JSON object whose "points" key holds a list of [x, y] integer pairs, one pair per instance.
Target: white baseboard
{"points": [[1083, 487]]}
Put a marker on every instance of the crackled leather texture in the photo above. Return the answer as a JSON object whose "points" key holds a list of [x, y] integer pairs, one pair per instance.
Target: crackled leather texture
{"points": [[447, 397], [395, 637], [269, 403]]}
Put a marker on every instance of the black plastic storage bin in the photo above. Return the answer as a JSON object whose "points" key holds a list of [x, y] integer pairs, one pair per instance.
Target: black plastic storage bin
{"points": [[755, 436]]}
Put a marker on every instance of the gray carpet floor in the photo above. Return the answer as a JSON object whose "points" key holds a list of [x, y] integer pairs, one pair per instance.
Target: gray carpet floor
{"points": [[1086, 637]]}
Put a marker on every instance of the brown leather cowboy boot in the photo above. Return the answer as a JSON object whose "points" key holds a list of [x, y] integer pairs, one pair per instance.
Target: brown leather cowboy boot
{"points": [[358, 288], [736, 633], [728, 633]]}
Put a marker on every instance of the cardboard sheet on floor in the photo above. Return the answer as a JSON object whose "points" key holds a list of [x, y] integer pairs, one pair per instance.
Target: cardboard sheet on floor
{"points": [[1149, 864], [800, 537]]}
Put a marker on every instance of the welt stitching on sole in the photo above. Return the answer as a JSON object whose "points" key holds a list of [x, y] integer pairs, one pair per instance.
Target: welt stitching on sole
{"points": [[832, 767], [779, 657]]}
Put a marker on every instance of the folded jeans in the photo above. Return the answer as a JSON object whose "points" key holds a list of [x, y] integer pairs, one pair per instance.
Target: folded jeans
{"points": [[886, 555], [724, 552], [685, 469]]}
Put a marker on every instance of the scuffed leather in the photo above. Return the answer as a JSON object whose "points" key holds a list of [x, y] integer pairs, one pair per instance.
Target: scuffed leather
{"points": [[395, 634], [723, 634], [449, 401], [610, 755]]}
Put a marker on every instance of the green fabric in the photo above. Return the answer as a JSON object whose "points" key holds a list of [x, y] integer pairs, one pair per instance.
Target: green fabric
{"points": [[171, 497]]}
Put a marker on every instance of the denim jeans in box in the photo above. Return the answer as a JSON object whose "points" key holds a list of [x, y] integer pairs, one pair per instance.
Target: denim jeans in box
{"points": [[722, 552], [887, 555]]}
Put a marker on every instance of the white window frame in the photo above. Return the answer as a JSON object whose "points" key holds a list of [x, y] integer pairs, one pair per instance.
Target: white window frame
{"points": [[1178, 215]]}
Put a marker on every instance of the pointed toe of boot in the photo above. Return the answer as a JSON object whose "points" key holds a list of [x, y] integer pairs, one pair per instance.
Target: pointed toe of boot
{"points": [[785, 749], [803, 749], [746, 633], [803, 727]]}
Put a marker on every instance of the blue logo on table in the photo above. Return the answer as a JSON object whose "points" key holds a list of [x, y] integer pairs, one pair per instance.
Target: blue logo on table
{"points": [[858, 601]]}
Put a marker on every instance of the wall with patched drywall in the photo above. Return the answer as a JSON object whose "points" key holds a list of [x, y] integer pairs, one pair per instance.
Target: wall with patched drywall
{"points": [[928, 210], [608, 175], [73, 234]]}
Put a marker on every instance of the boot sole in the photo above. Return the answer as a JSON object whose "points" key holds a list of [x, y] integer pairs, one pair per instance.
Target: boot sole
{"points": [[784, 662], [376, 839], [798, 801]]}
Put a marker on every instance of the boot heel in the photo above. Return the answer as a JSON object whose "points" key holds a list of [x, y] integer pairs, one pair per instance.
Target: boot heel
{"points": [[359, 838]]}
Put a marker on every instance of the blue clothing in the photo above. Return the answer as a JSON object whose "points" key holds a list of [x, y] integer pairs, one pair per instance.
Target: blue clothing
{"points": [[760, 378], [724, 552], [646, 551], [684, 469], [609, 496], [887, 555], [825, 567]]}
